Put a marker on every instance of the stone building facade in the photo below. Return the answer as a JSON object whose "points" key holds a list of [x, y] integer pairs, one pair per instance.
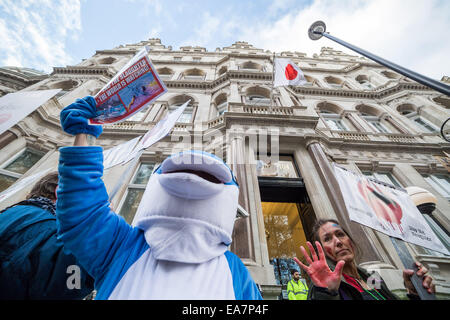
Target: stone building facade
{"points": [[13, 79], [280, 143]]}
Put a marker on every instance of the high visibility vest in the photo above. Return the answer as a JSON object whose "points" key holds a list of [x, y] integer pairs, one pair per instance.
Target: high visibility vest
{"points": [[297, 290]]}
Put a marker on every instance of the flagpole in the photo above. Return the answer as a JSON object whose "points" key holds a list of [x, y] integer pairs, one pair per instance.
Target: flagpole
{"points": [[318, 29]]}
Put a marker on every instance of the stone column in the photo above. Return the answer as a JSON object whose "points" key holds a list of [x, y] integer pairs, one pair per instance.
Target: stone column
{"points": [[242, 244], [368, 250], [351, 118]]}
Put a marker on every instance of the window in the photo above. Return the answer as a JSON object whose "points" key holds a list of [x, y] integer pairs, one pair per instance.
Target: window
{"points": [[250, 66], [440, 183], [222, 108], [333, 121], [375, 122], [364, 81], [14, 168], [194, 74], [186, 116], [176, 58], [255, 99], [421, 123], [284, 168], [165, 73], [334, 82], [140, 115], [386, 177], [135, 191]]}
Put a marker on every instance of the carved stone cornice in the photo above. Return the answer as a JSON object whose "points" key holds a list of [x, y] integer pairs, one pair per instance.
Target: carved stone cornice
{"points": [[77, 70], [376, 94]]}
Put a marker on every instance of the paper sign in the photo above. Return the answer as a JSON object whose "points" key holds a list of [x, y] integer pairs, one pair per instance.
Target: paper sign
{"points": [[129, 150], [159, 131], [388, 210], [135, 85], [118, 154], [163, 127], [16, 106]]}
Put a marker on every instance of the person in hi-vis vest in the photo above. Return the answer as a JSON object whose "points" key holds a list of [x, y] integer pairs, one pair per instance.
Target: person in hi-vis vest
{"points": [[296, 287]]}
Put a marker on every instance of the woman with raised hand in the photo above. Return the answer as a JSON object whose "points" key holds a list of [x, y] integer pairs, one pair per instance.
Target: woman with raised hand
{"points": [[335, 275]]}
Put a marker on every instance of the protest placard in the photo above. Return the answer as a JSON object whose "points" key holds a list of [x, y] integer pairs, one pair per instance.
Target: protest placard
{"points": [[135, 85], [129, 150], [385, 209], [16, 106], [118, 154], [159, 131]]}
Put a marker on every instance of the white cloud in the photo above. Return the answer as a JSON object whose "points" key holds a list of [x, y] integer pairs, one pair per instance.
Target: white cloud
{"points": [[410, 33], [33, 33]]}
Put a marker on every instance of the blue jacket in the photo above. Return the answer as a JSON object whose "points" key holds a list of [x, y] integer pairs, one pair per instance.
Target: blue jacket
{"points": [[105, 244], [33, 264]]}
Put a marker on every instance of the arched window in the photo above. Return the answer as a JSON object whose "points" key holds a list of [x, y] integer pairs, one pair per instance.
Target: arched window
{"points": [[335, 82], [222, 70], [310, 82], [165, 73], [375, 122], [187, 115], [257, 96], [409, 111], [194, 74], [221, 104], [330, 114], [107, 60], [251, 66], [390, 75], [65, 85], [364, 81], [443, 101]]}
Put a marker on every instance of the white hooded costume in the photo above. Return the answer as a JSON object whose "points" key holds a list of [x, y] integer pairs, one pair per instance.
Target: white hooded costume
{"points": [[177, 245]]}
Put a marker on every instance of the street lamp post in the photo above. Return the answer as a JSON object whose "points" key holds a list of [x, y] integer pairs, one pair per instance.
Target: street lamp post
{"points": [[315, 32], [318, 29]]}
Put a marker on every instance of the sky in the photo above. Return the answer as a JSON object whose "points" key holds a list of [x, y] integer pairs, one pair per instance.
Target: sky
{"points": [[43, 34]]}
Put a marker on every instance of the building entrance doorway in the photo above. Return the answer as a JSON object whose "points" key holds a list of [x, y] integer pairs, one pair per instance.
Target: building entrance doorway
{"points": [[288, 220]]}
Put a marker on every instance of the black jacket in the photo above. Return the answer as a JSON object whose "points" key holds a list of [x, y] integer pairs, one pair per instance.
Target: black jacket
{"points": [[347, 292], [33, 264]]}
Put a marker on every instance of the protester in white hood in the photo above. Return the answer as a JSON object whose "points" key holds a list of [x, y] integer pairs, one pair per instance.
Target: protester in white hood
{"points": [[182, 228]]}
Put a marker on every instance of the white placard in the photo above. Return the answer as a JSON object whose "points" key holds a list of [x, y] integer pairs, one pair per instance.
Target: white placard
{"points": [[16, 106], [388, 210], [118, 154], [159, 131]]}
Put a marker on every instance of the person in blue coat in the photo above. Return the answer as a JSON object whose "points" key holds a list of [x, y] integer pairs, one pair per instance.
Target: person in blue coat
{"points": [[177, 244], [33, 264]]}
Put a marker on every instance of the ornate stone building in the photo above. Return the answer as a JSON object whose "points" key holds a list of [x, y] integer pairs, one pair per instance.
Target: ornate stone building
{"points": [[13, 79], [280, 143]]}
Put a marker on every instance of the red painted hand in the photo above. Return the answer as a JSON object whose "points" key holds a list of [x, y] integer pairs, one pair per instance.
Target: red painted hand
{"points": [[318, 269]]}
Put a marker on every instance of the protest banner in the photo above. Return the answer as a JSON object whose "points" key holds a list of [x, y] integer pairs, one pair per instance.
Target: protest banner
{"points": [[132, 88], [385, 209], [129, 150], [16, 106], [27, 181]]}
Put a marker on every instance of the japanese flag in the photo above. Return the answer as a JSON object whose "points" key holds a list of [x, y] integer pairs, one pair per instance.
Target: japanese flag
{"points": [[287, 73]]}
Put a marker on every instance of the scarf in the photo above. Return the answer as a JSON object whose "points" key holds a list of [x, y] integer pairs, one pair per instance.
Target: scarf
{"points": [[40, 202]]}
